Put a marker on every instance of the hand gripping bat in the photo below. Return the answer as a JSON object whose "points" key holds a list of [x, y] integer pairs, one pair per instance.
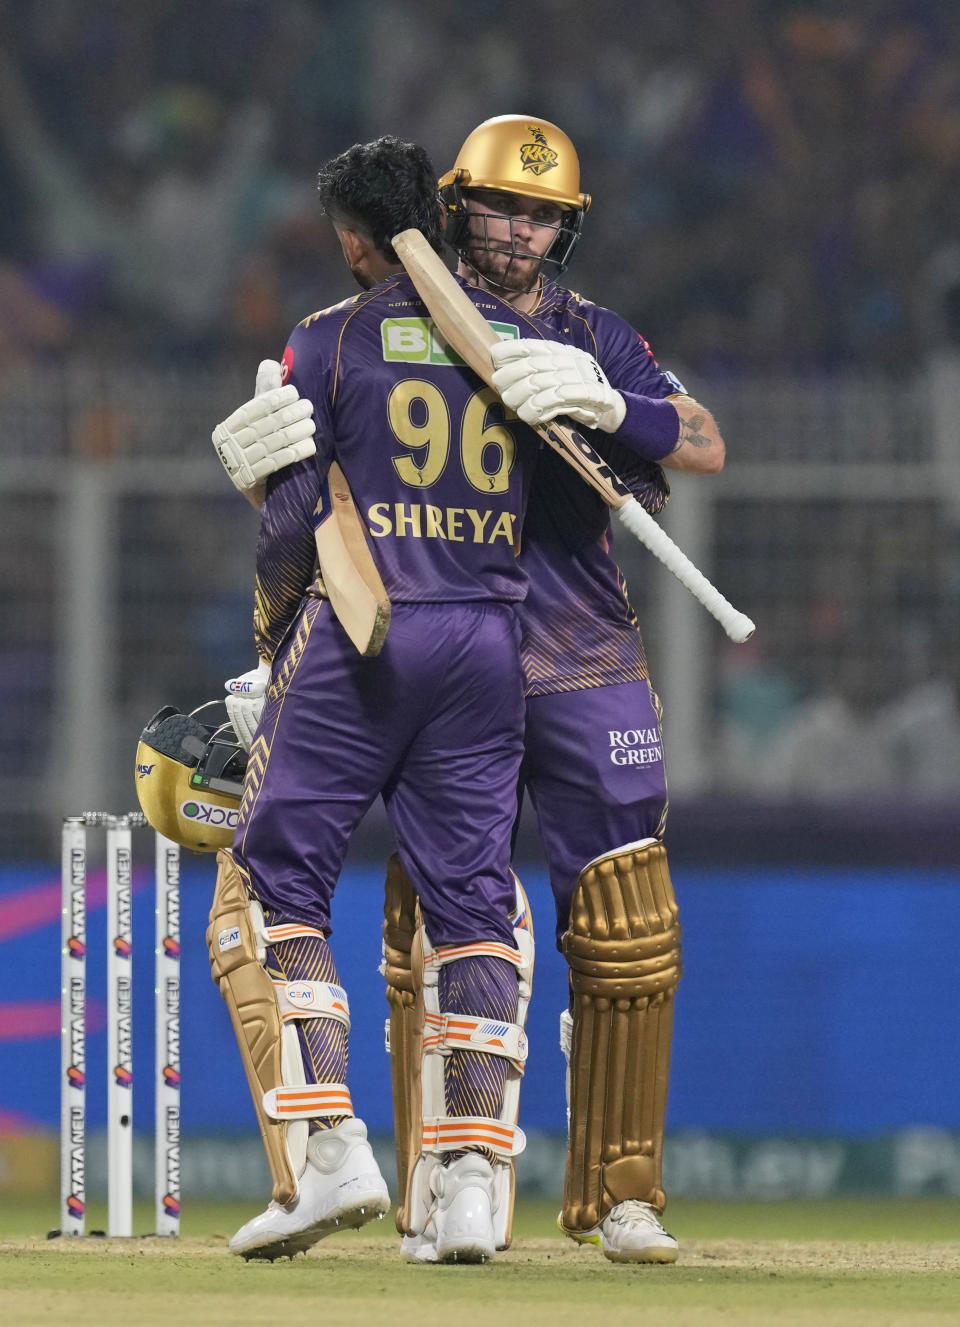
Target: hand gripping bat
{"points": [[464, 327]]}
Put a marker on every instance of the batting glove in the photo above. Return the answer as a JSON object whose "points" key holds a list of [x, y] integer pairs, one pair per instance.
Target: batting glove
{"points": [[245, 695], [543, 379], [266, 434]]}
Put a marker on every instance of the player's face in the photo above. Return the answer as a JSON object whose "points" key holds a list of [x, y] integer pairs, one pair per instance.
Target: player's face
{"points": [[509, 235]]}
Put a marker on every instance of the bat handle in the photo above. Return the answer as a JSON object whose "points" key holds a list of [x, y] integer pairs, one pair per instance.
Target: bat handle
{"points": [[643, 527]]}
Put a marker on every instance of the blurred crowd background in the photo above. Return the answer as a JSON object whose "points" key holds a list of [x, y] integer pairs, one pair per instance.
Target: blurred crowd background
{"points": [[776, 184], [776, 200]]}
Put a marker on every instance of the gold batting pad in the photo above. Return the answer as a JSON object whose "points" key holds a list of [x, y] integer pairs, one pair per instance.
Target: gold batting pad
{"points": [[400, 924], [623, 948], [250, 996]]}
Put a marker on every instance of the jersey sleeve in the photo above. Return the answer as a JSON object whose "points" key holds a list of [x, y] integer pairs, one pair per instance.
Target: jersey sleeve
{"points": [[627, 360], [286, 549], [650, 429]]}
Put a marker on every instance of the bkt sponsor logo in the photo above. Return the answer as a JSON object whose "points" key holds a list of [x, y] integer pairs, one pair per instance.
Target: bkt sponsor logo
{"points": [[635, 746], [419, 341], [205, 813]]}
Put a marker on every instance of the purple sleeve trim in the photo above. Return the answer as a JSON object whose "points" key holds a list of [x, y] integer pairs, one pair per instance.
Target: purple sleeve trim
{"points": [[651, 427]]}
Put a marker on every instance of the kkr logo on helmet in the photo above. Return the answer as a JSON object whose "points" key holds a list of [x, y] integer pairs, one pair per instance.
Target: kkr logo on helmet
{"points": [[537, 156]]}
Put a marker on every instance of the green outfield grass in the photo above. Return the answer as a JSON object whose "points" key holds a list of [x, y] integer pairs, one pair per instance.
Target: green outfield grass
{"points": [[853, 1263]]}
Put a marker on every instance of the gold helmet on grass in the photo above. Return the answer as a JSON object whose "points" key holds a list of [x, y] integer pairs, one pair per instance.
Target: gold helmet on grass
{"points": [[189, 778], [518, 154]]}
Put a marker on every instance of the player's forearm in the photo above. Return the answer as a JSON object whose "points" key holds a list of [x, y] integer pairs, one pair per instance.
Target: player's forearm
{"points": [[277, 601], [700, 448], [286, 554]]}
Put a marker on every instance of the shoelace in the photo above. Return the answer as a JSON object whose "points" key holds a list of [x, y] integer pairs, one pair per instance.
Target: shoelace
{"points": [[634, 1210]]}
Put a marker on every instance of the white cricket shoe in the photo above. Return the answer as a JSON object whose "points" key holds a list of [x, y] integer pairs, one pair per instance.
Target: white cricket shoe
{"points": [[632, 1233], [423, 1247], [463, 1215], [341, 1188]]}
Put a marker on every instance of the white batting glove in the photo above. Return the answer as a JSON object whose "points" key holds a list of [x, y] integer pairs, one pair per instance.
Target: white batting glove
{"points": [[269, 432], [245, 696], [543, 379]]}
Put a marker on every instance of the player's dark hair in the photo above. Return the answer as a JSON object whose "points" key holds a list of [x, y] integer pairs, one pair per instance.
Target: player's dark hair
{"points": [[381, 188]]}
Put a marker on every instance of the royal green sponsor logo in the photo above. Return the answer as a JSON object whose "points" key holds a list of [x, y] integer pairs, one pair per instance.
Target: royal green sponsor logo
{"points": [[418, 341]]}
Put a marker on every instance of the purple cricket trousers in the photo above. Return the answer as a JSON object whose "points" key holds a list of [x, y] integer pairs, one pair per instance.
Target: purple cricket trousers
{"points": [[434, 723]]}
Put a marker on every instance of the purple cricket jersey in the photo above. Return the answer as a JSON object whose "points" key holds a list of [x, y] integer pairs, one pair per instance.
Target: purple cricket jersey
{"points": [[438, 473], [579, 630], [593, 762], [435, 722]]}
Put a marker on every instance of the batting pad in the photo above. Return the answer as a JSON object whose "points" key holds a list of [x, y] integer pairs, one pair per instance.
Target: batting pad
{"points": [[623, 948], [404, 1026], [420, 1035], [263, 1012]]}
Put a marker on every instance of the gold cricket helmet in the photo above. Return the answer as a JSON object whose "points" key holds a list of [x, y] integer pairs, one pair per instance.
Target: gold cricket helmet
{"points": [[521, 155], [189, 778], [518, 154]]}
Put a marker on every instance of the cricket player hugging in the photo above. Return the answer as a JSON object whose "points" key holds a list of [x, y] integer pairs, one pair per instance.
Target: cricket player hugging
{"points": [[432, 724]]}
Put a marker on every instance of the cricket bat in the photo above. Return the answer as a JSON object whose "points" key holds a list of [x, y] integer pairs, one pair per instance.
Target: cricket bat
{"points": [[350, 577], [466, 330]]}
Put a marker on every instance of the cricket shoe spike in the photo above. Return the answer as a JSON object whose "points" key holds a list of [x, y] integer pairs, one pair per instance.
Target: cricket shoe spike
{"points": [[463, 1216], [632, 1233], [340, 1188]]}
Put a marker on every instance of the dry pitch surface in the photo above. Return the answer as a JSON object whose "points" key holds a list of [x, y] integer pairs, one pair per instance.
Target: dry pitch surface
{"points": [[887, 1264]]}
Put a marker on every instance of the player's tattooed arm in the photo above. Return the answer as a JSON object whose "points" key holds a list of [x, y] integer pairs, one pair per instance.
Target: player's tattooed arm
{"points": [[700, 448]]}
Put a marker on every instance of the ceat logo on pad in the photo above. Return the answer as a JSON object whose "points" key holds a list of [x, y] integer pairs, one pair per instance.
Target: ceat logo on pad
{"points": [[286, 365], [300, 995], [228, 939]]}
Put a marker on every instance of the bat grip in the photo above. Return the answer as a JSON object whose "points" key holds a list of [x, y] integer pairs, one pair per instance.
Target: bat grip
{"points": [[643, 527]]}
